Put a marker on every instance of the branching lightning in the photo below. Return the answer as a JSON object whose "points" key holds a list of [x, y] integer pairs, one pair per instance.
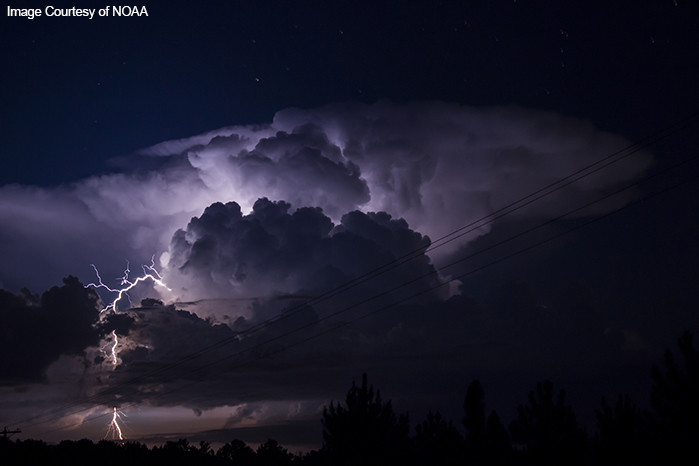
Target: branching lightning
{"points": [[149, 272], [114, 429]]}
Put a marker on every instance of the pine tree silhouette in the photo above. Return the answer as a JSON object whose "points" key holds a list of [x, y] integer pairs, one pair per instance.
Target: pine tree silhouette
{"points": [[438, 442], [366, 431], [547, 428], [486, 441], [675, 403], [474, 416], [237, 452], [622, 433]]}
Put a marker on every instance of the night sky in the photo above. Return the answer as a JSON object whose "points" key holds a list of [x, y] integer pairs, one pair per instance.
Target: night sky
{"points": [[265, 155]]}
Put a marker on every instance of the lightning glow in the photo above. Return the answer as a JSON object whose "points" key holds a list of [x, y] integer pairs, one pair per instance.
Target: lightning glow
{"points": [[114, 429], [114, 349], [149, 272]]}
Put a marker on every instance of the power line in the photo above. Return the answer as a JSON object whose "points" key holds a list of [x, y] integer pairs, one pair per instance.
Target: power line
{"points": [[427, 290], [460, 232], [533, 197], [432, 288], [526, 200], [484, 220]]}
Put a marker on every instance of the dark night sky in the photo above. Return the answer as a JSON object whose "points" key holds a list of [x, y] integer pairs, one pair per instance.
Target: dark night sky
{"points": [[436, 112]]}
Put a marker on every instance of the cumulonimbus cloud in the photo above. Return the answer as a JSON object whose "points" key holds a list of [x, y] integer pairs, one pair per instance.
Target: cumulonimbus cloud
{"points": [[436, 165], [285, 211]]}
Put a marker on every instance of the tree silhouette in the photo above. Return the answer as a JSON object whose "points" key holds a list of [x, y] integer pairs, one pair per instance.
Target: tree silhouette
{"points": [[181, 452], [474, 416], [548, 429], [365, 431], [675, 402], [437, 442], [271, 453], [622, 434], [497, 448], [237, 452], [486, 442]]}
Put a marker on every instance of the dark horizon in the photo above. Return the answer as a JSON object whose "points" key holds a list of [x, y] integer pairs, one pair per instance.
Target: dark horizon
{"points": [[365, 427]]}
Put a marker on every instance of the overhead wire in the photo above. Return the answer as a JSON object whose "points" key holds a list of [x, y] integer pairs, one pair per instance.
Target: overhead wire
{"points": [[460, 232], [532, 197], [429, 289], [506, 210], [481, 222]]}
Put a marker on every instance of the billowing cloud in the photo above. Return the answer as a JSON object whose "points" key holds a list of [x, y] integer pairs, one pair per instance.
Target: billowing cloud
{"points": [[167, 356], [436, 165], [256, 222], [272, 251], [290, 256]]}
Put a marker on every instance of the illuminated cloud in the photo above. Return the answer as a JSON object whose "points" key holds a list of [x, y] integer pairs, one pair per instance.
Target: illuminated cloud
{"points": [[251, 222], [437, 165], [273, 251]]}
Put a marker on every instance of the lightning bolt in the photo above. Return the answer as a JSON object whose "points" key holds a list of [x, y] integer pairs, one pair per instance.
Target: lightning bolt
{"points": [[115, 360], [114, 429], [149, 272]]}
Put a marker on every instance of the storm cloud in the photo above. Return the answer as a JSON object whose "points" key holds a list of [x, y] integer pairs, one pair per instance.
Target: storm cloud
{"points": [[436, 165], [272, 251], [251, 226], [291, 257], [62, 321]]}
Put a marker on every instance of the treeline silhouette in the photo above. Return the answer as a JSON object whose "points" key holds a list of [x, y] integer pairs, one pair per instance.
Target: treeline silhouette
{"points": [[365, 430]]}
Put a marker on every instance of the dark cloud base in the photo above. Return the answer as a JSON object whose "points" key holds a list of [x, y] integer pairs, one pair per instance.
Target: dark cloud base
{"points": [[62, 321], [251, 271]]}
